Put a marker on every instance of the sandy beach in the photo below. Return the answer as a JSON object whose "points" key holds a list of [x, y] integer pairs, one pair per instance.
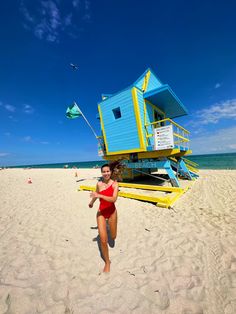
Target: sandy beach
{"points": [[174, 261]]}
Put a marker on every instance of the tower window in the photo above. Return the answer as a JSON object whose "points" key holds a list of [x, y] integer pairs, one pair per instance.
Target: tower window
{"points": [[117, 113]]}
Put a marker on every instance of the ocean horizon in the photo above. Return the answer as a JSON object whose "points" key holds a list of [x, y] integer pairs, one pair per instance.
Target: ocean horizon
{"points": [[207, 161]]}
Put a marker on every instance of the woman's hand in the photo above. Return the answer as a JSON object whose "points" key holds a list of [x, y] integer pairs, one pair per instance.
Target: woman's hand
{"points": [[94, 195]]}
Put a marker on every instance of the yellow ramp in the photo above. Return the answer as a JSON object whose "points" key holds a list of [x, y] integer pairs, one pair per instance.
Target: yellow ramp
{"points": [[165, 201]]}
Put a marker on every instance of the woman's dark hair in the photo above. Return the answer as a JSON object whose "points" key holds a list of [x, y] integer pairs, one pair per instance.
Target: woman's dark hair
{"points": [[105, 165], [116, 168]]}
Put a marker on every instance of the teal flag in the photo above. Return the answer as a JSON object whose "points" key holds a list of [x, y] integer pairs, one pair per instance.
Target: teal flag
{"points": [[73, 112]]}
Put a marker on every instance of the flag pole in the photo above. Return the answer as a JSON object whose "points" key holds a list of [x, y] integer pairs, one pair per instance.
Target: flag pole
{"points": [[87, 121]]}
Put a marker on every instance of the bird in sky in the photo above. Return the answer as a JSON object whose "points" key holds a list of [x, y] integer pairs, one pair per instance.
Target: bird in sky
{"points": [[74, 67]]}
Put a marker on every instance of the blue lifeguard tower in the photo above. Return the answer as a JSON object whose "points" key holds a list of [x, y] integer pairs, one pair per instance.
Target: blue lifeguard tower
{"points": [[137, 126]]}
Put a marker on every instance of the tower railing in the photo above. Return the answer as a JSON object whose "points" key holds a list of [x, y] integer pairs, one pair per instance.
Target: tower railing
{"points": [[180, 134]]}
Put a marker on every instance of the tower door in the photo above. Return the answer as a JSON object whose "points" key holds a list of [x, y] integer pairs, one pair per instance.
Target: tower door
{"points": [[158, 117]]}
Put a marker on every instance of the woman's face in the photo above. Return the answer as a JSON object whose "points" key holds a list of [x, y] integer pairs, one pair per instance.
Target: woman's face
{"points": [[106, 173]]}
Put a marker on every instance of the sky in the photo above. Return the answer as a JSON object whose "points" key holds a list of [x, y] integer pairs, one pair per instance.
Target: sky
{"points": [[190, 45]]}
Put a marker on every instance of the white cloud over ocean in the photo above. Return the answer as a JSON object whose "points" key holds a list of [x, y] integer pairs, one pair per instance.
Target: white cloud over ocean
{"points": [[213, 114], [49, 19], [218, 111], [4, 154], [222, 140]]}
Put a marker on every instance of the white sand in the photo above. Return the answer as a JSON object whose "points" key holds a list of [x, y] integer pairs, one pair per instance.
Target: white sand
{"points": [[180, 260]]}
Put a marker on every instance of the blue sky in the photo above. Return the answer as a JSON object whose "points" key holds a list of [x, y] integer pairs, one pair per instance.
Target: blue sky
{"points": [[190, 45]]}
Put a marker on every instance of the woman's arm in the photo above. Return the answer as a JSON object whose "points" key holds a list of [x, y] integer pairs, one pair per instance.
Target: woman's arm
{"points": [[112, 198], [94, 198]]}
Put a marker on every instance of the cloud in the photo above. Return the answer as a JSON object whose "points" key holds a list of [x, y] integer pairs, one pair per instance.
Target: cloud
{"points": [[224, 140], [44, 143], [10, 108], [28, 109], [68, 19], [218, 85], [4, 154], [87, 17], [213, 114], [75, 3], [218, 111], [49, 19], [27, 138], [26, 13]]}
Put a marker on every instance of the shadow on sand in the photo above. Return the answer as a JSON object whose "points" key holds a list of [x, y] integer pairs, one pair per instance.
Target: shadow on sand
{"points": [[97, 239], [80, 180]]}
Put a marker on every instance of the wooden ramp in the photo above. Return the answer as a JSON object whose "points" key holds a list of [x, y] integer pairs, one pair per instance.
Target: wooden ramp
{"points": [[165, 196]]}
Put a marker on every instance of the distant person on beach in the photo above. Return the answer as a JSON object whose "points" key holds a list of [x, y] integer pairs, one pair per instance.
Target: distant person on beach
{"points": [[107, 192]]}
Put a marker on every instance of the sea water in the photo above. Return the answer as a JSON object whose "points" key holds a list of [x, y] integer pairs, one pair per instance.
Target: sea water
{"points": [[211, 161], [215, 161]]}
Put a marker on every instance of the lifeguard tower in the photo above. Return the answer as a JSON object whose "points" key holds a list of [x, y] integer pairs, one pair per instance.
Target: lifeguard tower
{"points": [[137, 126]]}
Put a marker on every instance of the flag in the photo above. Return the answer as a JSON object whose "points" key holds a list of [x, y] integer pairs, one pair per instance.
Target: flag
{"points": [[73, 112]]}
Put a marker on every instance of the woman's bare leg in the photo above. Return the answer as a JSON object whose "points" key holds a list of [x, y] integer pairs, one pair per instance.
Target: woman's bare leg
{"points": [[102, 229], [113, 225]]}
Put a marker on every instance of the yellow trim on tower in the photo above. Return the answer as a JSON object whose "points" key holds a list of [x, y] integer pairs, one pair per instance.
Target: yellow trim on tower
{"points": [[146, 81], [138, 119], [158, 153], [145, 122], [133, 150], [148, 154], [103, 129]]}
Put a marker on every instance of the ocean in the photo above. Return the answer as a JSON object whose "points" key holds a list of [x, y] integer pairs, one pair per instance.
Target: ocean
{"points": [[215, 161], [211, 161]]}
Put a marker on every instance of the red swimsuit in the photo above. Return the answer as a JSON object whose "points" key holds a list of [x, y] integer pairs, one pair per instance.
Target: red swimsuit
{"points": [[107, 208]]}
